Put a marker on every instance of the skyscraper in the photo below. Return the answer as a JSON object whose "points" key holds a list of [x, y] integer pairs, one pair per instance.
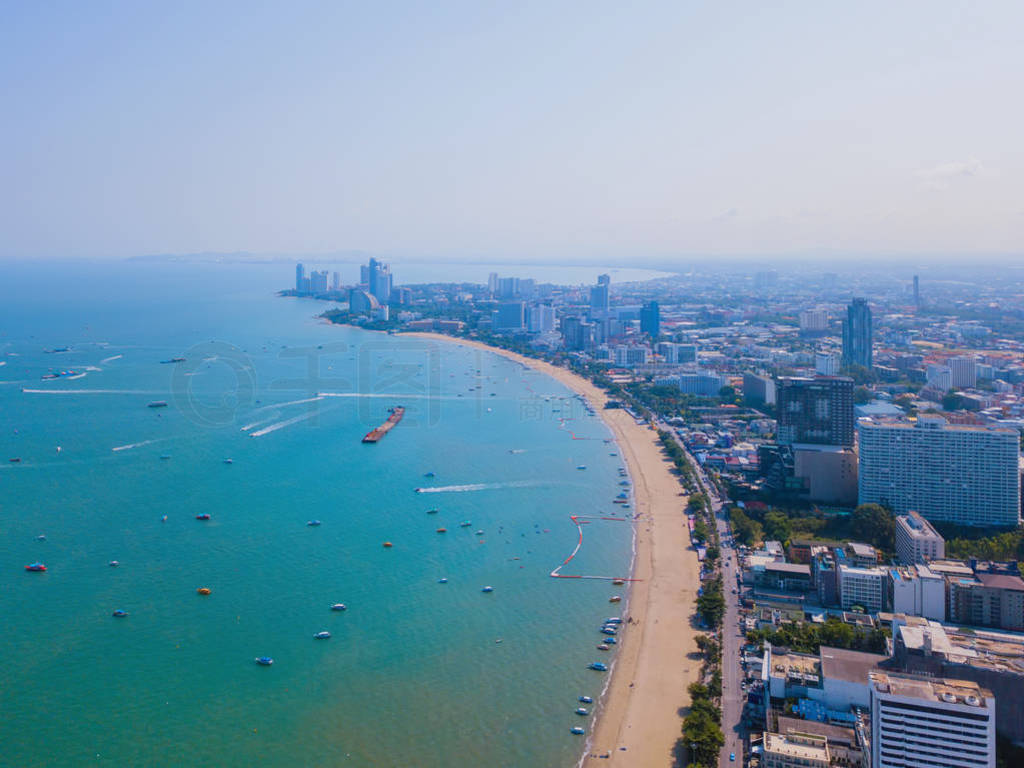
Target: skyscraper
{"points": [[650, 319], [917, 291], [599, 297], [379, 281], [857, 334], [818, 411], [300, 274]]}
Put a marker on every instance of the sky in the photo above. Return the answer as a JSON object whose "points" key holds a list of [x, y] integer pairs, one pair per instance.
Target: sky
{"points": [[557, 131]]}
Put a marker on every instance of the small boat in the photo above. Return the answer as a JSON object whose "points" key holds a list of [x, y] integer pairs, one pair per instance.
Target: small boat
{"points": [[613, 620], [428, 474], [585, 700], [582, 466], [480, 532], [313, 523], [113, 563], [615, 599], [487, 589], [610, 641], [582, 711], [431, 511], [203, 591], [577, 731], [442, 581], [165, 456], [322, 635], [15, 460], [609, 631], [465, 523], [35, 567], [598, 666], [604, 647], [157, 404], [120, 614], [163, 519], [172, 360], [388, 545], [229, 461], [264, 661], [203, 516], [442, 530], [618, 582], [41, 537]]}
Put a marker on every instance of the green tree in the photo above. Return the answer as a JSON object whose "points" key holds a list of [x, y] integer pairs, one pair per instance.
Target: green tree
{"points": [[862, 395], [776, 525], [874, 524], [747, 530], [950, 401]]}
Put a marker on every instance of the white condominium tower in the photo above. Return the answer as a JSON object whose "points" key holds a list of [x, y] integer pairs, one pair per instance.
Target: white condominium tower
{"points": [[959, 474], [923, 721]]}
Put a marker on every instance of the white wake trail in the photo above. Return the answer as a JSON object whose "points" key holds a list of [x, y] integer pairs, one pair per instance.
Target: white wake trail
{"points": [[110, 359], [132, 445], [282, 424], [477, 487]]}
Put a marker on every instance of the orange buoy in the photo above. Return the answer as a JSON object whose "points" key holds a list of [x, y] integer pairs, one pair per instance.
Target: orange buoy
{"points": [[203, 590], [388, 545]]}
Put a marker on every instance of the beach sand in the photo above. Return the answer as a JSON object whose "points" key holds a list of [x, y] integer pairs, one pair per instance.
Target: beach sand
{"points": [[639, 721]]}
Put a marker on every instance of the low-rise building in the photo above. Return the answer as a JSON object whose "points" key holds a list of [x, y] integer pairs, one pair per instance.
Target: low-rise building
{"points": [[917, 541], [864, 587], [794, 750]]}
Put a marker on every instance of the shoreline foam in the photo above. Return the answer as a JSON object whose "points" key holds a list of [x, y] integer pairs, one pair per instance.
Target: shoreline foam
{"points": [[638, 722]]}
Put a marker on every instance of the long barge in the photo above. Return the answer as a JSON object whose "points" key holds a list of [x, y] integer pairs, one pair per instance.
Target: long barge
{"points": [[378, 432]]}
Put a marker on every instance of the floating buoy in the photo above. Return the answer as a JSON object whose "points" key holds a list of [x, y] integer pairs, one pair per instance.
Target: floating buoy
{"points": [[203, 591]]}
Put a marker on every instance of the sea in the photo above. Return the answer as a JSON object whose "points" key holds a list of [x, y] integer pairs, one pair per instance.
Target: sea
{"points": [[266, 406]]}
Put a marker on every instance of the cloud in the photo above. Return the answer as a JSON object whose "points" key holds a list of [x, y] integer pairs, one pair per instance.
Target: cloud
{"points": [[942, 175]]}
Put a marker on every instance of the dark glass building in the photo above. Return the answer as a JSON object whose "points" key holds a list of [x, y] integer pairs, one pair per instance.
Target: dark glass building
{"points": [[857, 334], [817, 411]]}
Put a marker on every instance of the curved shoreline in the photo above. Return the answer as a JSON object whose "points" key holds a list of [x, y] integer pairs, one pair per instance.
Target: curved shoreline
{"points": [[639, 720]]}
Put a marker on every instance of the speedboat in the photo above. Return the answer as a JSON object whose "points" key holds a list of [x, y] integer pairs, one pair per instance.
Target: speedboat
{"points": [[313, 523], [577, 731], [431, 511], [442, 581], [322, 635], [203, 516], [264, 661], [428, 474], [480, 532], [613, 620], [113, 563], [585, 700], [582, 711], [615, 599], [582, 466], [609, 631], [618, 582], [15, 460], [610, 641], [165, 456], [41, 537], [604, 647], [203, 591], [442, 530], [388, 545], [598, 666], [157, 404], [465, 523], [120, 614], [229, 461], [35, 567], [487, 589], [338, 607]]}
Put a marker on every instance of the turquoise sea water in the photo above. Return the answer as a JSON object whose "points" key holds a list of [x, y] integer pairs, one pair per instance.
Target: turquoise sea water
{"points": [[413, 674]]}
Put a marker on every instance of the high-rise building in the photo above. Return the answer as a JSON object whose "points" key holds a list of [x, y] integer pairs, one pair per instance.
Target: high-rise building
{"points": [[960, 474], [627, 356], [509, 316], [364, 275], [542, 318], [379, 280], [318, 281], [335, 281], [650, 319], [300, 277], [917, 541], [917, 292], [933, 722], [826, 364], [600, 297], [963, 372], [492, 283], [677, 354], [816, 410], [577, 334], [508, 287], [814, 320], [857, 334], [758, 388]]}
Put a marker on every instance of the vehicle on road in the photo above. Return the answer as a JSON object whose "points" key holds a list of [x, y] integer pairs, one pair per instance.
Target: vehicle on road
{"points": [[732, 757]]}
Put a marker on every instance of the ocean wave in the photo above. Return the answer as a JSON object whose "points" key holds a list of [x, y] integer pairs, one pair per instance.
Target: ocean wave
{"points": [[282, 424]]}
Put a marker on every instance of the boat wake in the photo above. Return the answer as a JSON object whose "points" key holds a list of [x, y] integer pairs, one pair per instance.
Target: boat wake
{"points": [[477, 487], [89, 391], [290, 402], [132, 445], [282, 424], [110, 359]]}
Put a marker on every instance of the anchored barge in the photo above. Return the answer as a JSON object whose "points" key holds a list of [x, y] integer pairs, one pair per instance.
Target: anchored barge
{"points": [[376, 434]]}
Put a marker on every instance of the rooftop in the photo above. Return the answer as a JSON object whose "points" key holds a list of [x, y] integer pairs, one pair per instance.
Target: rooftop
{"points": [[851, 666], [836, 734], [795, 744], [941, 690], [1001, 581]]}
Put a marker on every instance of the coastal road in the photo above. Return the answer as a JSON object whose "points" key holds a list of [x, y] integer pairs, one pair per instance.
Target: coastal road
{"points": [[732, 638]]}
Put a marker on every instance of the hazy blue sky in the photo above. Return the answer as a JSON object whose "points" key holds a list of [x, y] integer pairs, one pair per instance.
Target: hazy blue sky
{"points": [[539, 129]]}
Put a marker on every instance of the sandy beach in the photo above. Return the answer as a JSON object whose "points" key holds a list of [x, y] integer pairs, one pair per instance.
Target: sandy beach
{"points": [[639, 721]]}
